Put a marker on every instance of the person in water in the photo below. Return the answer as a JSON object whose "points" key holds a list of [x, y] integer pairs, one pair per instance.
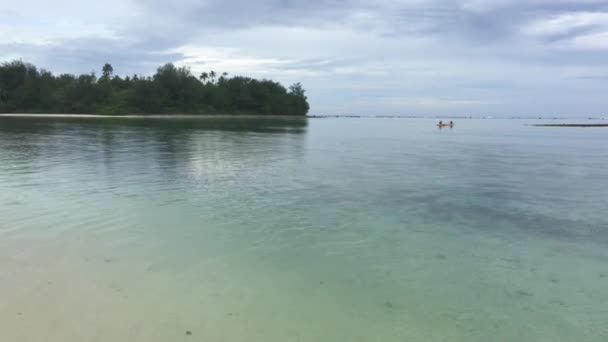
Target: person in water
{"points": [[440, 123], [451, 123]]}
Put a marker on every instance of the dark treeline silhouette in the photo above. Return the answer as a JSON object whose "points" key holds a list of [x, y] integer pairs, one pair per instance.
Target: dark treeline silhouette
{"points": [[27, 89]]}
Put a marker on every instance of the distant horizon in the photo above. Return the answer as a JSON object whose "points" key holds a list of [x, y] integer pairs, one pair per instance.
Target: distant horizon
{"points": [[309, 116], [469, 117]]}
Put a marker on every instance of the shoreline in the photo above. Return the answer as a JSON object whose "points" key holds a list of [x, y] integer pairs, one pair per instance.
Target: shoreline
{"points": [[154, 116]]}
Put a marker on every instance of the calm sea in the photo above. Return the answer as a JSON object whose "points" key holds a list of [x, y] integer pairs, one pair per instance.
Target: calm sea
{"points": [[293, 230]]}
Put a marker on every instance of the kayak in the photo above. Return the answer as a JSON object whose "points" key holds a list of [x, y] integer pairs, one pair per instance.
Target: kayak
{"points": [[445, 125]]}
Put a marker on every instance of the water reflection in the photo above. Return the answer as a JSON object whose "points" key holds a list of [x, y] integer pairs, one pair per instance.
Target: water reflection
{"points": [[124, 152]]}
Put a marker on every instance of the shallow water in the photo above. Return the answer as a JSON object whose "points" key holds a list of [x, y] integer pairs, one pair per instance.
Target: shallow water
{"points": [[293, 230]]}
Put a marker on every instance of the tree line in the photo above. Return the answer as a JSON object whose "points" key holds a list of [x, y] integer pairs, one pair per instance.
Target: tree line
{"points": [[171, 90]]}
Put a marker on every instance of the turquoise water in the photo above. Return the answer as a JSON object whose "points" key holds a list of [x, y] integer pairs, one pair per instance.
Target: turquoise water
{"points": [[318, 230]]}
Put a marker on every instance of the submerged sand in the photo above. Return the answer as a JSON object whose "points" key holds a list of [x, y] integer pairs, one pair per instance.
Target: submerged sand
{"points": [[385, 231]]}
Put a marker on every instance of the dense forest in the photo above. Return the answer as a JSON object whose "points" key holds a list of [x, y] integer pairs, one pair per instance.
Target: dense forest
{"points": [[171, 90]]}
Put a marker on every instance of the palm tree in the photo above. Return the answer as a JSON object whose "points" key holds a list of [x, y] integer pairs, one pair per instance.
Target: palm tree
{"points": [[204, 76], [223, 77], [212, 74]]}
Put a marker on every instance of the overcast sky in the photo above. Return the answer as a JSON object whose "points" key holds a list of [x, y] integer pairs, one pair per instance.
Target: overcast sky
{"points": [[399, 57]]}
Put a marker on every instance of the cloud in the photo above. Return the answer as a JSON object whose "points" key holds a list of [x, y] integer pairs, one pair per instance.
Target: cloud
{"points": [[591, 41], [354, 56], [574, 31], [568, 23]]}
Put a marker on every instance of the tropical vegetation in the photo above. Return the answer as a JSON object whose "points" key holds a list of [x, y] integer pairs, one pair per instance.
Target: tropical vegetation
{"points": [[171, 90]]}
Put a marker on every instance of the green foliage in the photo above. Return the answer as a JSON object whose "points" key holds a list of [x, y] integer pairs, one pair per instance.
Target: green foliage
{"points": [[25, 89], [106, 72]]}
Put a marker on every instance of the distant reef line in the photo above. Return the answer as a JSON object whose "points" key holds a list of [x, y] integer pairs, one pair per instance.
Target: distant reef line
{"points": [[571, 125]]}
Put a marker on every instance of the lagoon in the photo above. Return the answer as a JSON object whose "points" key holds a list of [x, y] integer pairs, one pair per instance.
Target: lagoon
{"points": [[330, 229]]}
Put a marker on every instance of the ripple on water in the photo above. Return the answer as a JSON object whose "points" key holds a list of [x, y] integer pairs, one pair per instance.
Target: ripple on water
{"points": [[352, 230]]}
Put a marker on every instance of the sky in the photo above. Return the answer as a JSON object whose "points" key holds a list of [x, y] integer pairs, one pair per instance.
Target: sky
{"points": [[373, 57]]}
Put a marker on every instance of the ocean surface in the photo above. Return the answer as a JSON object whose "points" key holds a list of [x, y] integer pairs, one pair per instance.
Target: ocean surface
{"points": [[291, 230]]}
